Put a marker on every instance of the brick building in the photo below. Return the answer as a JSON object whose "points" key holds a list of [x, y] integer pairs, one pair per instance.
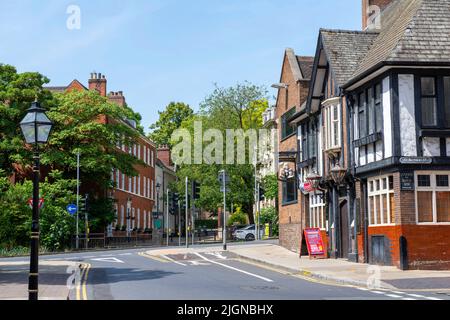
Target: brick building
{"points": [[134, 196], [375, 137], [292, 93]]}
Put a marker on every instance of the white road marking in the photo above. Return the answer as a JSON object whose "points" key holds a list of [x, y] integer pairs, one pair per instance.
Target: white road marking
{"points": [[217, 255], [235, 269], [378, 292], [393, 296], [172, 260], [199, 263], [432, 298], [410, 299], [111, 259]]}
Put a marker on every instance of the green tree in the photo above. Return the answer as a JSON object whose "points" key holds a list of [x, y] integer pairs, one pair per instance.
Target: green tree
{"points": [[226, 108], [17, 92], [169, 120], [270, 185], [269, 215]]}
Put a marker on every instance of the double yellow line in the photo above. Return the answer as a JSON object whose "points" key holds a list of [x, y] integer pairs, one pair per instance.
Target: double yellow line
{"points": [[81, 290]]}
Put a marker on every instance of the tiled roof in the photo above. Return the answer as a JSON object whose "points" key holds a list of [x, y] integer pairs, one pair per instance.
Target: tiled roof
{"points": [[345, 50], [56, 89], [306, 66], [412, 31]]}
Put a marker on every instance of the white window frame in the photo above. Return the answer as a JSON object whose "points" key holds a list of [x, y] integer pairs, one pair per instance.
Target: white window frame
{"points": [[329, 134], [372, 194], [316, 204], [432, 188], [130, 184], [122, 216], [152, 159]]}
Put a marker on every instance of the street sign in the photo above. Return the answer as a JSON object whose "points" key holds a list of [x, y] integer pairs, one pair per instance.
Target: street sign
{"points": [[41, 203], [158, 224], [314, 242], [72, 209]]}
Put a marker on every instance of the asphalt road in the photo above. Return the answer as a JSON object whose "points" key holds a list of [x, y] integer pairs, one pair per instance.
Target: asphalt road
{"points": [[133, 275]]}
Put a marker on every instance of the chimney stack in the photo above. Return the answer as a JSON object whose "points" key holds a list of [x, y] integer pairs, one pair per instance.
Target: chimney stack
{"points": [[371, 13], [164, 155], [98, 82], [117, 97]]}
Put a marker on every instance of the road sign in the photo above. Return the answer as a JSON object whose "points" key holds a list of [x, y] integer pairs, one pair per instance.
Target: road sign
{"points": [[41, 203], [72, 209]]}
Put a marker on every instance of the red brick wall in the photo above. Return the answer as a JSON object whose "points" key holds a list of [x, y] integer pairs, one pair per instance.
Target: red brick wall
{"points": [[290, 216]]}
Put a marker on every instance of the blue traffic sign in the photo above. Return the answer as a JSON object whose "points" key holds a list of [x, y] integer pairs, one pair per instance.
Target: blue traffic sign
{"points": [[72, 209]]}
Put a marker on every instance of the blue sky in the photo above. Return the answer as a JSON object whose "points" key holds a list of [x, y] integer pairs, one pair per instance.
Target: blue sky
{"points": [[158, 51]]}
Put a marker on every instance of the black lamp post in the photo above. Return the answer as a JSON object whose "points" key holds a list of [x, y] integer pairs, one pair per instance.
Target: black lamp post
{"points": [[36, 127]]}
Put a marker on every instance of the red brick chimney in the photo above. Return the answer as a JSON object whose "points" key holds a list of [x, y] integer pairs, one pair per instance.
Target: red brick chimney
{"points": [[370, 10], [117, 97], [164, 155], [98, 82]]}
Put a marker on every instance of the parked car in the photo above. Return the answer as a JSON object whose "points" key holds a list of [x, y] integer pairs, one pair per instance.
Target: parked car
{"points": [[247, 233]]}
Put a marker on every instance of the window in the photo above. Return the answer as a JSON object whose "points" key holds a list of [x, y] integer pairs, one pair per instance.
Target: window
{"points": [[139, 185], [286, 129], [308, 141], [381, 201], [362, 125], [145, 188], [433, 197], [118, 179], [129, 184], [145, 154], [316, 211], [447, 101], [428, 101], [332, 127], [122, 215], [123, 181], [289, 191], [378, 109], [152, 159]]}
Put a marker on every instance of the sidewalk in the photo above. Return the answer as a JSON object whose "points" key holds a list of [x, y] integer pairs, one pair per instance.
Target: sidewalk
{"points": [[330, 270], [53, 277]]}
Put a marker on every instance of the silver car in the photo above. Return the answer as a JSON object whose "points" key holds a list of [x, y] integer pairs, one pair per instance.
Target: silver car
{"points": [[248, 233]]}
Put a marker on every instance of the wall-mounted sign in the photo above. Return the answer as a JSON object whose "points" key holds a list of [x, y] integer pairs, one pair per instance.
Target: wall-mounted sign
{"points": [[407, 181], [416, 160], [306, 187]]}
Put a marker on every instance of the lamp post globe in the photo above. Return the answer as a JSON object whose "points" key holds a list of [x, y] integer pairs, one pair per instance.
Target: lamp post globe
{"points": [[36, 128], [338, 174]]}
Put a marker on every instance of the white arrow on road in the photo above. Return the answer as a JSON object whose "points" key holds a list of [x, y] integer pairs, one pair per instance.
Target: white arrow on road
{"points": [[111, 259]]}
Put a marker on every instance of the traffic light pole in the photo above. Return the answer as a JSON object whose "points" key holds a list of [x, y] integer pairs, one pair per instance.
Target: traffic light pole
{"points": [[224, 235], [179, 223], [77, 240], [186, 207], [167, 215]]}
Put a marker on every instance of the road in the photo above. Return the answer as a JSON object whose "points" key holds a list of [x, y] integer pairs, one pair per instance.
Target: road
{"points": [[134, 275]]}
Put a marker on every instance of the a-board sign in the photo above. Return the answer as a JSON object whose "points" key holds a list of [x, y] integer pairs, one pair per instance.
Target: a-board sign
{"points": [[314, 242]]}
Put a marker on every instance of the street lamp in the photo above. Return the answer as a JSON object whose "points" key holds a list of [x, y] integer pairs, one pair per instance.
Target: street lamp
{"points": [[338, 174], [286, 173], [314, 178], [35, 127]]}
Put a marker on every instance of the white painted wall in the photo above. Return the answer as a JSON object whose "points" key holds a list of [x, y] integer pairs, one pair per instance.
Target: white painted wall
{"points": [[387, 118], [407, 115], [431, 147]]}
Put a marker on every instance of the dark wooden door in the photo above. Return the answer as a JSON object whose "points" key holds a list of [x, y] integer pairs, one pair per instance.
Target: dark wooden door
{"points": [[344, 234]]}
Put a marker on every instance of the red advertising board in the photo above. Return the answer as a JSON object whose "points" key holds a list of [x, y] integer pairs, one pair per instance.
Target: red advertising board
{"points": [[314, 242]]}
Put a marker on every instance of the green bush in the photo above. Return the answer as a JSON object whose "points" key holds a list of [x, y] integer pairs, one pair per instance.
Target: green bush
{"points": [[269, 215], [238, 218]]}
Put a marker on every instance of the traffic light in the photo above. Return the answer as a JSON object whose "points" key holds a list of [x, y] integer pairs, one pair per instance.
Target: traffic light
{"points": [[175, 198], [195, 190], [261, 194], [84, 204]]}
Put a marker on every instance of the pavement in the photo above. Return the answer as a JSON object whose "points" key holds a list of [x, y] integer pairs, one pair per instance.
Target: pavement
{"points": [[53, 276], [255, 271]]}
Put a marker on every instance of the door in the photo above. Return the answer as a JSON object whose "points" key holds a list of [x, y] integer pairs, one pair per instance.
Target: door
{"points": [[344, 234], [378, 250]]}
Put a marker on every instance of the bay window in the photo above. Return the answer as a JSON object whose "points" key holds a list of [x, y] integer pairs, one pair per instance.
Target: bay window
{"points": [[381, 200], [433, 197], [332, 125]]}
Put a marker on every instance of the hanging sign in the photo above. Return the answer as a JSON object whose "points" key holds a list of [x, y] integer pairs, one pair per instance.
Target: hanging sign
{"points": [[314, 242], [306, 187]]}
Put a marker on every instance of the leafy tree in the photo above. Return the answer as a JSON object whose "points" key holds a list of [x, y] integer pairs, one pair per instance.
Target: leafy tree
{"points": [[17, 92], [169, 120], [56, 224], [238, 217], [270, 185], [226, 108]]}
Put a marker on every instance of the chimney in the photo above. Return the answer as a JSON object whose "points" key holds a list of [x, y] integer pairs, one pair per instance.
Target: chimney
{"points": [[98, 82], [371, 19], [117, 97], [164, 155]]}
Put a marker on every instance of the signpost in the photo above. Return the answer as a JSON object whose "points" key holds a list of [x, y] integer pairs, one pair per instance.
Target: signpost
{"points": [[40, 204], [314, 242]]}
